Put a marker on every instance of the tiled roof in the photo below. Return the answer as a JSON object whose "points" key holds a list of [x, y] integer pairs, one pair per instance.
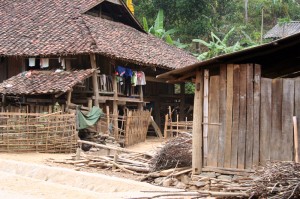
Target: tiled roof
{"points": [[284, 30], [43, 82], [58, 27]]}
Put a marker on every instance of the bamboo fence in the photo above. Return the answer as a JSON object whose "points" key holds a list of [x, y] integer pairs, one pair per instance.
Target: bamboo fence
{"points": [[28, 132]]}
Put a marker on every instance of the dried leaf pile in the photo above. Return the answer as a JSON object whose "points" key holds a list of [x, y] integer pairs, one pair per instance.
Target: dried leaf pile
{"points": [[277, 180], [177, 152]]}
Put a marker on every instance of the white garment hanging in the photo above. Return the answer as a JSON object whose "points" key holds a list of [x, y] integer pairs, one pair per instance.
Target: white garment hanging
{"points": [[31, 62], [44, 63]]}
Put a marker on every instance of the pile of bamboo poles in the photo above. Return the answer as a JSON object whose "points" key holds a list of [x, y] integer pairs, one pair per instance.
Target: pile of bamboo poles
{"points": [[123, 159]]}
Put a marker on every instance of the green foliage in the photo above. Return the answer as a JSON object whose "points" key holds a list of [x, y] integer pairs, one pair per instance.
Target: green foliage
{"points": [[158, 28], [198, 18], [216, 46]]}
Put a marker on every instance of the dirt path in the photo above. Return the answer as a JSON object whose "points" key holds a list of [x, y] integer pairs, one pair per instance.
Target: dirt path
{"points": [[30, 180], [32, 175]]}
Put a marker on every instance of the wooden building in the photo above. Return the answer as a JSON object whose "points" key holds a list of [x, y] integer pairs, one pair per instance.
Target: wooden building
{"points": [[46, 35], [244, 106]]}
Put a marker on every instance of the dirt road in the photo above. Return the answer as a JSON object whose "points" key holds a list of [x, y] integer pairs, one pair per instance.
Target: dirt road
{"points": [[27, 180]]}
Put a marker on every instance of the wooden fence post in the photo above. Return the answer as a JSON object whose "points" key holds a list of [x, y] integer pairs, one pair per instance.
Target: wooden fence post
{"points": [[197, 156], [95, 80]]}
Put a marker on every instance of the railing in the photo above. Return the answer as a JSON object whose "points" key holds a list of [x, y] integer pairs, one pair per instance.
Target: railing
{"points": [[105, 85]]}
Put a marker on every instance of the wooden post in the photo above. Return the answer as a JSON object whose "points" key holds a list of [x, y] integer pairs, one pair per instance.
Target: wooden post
{"points": [[197, 156], [69, 96], [182, 101], [205, 115], [115, 107], [3, 103], [296, 139], [68, 65], [95, 80], [108, 119], [90, 103], [177, 123], [166, 126], [140, 105]]}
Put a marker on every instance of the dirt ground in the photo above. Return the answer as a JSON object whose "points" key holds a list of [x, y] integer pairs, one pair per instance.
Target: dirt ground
{"points": [[149, 146], [16, 184]]}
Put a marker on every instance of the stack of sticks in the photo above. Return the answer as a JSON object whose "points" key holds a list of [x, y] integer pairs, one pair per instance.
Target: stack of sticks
{"points": [[277, 180]]}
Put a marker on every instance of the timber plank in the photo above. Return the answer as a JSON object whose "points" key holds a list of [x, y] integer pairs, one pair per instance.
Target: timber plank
{"points": [[275, 138], [222, 112], [256, 114], [249, 130], [265, 124], [235, 115], [229, 102], [205, 115], [287, 119], [197, 155], [243, 117], [297, 107], [213, 117]]}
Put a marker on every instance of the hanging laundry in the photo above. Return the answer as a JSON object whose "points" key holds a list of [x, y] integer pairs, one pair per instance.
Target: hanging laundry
{"points": [[128, 72], [120, 71], [63, 64], [31, 62], [127, 86], [134, 78], [103, 82], [141, 79], [44, 62]]}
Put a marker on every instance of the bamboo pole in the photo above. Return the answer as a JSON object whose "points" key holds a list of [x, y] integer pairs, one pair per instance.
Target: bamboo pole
{"points": [[296, 139]]}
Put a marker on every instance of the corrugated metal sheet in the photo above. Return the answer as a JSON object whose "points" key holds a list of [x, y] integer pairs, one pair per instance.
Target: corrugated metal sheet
{"points": [[283, 30]]}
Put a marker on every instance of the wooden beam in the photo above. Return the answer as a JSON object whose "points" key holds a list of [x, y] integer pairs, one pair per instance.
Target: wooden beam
{"points": [[153, 79], [182, 101], [182, 78], [69, 96], [141, 104], [95, 80], [197, 154], [115, 107], [68, 64], [296, 159], [156, 128], [205, 115]]}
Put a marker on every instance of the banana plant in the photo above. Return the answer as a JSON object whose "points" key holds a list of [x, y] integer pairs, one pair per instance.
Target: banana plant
{"points": [[217, 46], [158, 30]]}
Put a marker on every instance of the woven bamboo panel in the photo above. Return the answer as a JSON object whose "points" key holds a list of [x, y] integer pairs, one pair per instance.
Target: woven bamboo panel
{"points": [[136, 127], [35, 132]]}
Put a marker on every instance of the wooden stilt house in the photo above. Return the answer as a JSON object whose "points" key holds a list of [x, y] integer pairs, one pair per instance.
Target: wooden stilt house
{"points": [[81, 43], [246, 106]]}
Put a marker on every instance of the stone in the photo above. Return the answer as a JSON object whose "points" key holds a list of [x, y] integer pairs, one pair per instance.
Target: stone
{"points": [[193, 187], [158, 180], [208, 174], [181, 185], [199, 184], [225, 177], [167, 182], [94, 150], [185, 179], [175, 181]]}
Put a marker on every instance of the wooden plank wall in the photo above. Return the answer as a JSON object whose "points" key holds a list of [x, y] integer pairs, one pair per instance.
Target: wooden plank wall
{"points": [[250, 118]]}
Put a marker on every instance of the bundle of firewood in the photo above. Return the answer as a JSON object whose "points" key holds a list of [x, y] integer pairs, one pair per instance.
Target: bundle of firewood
{"points": [[177, 152], [277, 180]]}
